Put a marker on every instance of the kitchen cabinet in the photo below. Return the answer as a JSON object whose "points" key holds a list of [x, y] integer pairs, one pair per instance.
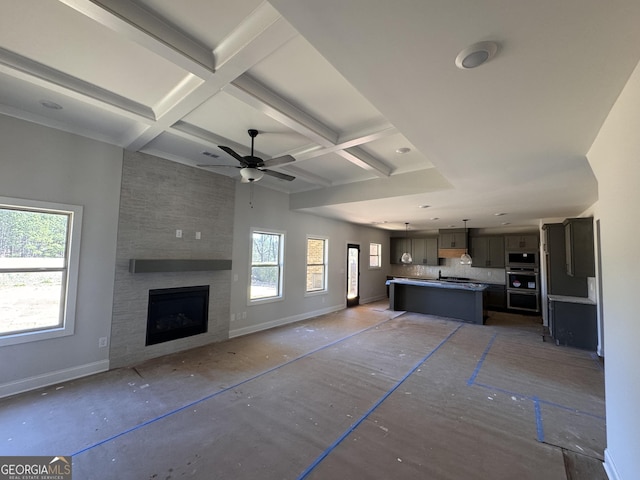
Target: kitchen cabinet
{"points": [[579, 254], [487, 251], [495, 297], [398, 247], [559, 282], [452, 238], [573, 322], [424, 251], [526, 242]]}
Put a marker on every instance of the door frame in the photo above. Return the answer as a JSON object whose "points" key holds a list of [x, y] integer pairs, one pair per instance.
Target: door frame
{"points": [[353, 301]]}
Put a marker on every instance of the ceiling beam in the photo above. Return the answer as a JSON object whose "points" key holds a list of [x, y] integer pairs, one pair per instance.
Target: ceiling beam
{"points": [[359, 157], [142, 27], [351, 141], [268, 35], [44, 76], [253, 93]]}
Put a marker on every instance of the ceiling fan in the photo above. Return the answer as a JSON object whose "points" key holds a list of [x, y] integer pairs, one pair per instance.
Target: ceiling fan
{"points": [[252, 168]]}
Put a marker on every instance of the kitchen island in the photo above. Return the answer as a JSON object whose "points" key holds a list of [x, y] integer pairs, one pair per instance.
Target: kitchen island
{"points": [[460, 301]]}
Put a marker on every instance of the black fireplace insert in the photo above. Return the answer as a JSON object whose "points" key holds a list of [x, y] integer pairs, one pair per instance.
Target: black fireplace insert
{"points": [[177, 313]]}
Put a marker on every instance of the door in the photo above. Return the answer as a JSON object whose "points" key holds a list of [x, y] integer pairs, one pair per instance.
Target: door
{"points": [[353, 275]]}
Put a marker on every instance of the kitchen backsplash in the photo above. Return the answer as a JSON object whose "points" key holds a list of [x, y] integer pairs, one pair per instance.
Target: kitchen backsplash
{"points": [[451, 267]]}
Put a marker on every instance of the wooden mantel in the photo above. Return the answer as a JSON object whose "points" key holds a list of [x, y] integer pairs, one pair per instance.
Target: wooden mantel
{"points": [[137, 265]]}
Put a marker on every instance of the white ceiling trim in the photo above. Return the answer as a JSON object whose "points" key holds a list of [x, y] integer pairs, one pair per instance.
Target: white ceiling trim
{"points": [[38, 74], [253, 93], [142, 27], [362, 159]]}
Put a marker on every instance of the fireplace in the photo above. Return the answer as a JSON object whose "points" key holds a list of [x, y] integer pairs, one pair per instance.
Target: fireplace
{"points": [[177, 313]]}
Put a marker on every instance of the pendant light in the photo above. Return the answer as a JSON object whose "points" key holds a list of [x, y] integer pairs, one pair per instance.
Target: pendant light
{"points": [[406, 256], [465, 259]]}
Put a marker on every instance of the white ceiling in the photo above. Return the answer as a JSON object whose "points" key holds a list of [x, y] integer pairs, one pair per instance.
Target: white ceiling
{"points": [[340, 85]]}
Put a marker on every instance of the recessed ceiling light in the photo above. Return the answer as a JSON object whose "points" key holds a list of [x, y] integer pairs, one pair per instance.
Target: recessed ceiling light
{"points": [[50, 104], [506, 223], [476, 55], [499, 214], [435, 218], [424, 206], [210, 154], [451, 226], [403, 150]]}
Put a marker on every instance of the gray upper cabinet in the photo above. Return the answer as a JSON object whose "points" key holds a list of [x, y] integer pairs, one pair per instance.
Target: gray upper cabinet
{"points": [[452, 238], [523, 243], [579, 253], [424, 251], [398, 247], [487, 251]]}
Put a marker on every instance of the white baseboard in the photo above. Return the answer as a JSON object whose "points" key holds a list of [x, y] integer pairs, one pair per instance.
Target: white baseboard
{"points": [[51, 378], [238, 332], [364, 301], [609, 466]]}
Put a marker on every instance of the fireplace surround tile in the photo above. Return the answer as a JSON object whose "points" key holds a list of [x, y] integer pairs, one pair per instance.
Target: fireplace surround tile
{"points": [[158, 197]]}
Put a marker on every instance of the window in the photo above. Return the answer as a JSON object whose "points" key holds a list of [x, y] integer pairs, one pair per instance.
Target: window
{"points": [[375, 252], [39, 251], [266, 265], [316, 264]]}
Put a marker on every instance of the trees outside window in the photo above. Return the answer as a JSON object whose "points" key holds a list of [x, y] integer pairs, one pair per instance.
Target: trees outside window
{"points": [[266, 265], [39, 247]]}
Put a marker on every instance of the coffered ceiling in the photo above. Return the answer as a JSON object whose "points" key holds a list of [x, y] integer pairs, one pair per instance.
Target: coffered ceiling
{"points": [[340, 85]]}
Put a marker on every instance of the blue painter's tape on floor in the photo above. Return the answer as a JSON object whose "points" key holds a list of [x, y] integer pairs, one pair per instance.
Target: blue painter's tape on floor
{"points": [[219, 392], [475, 373], [353, 426], [539, 427]]}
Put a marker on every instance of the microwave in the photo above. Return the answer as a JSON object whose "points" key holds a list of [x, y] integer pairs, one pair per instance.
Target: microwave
{"points": [[522, 259]]}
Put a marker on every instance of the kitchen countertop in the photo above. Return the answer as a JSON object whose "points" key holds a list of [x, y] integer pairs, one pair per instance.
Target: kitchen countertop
{"points": [[470, 286], [567, 299]]}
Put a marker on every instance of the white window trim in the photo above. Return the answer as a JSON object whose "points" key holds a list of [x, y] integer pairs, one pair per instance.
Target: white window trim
{"points": [[379, 256], [325, 290], [69, 318], [279, 298]]}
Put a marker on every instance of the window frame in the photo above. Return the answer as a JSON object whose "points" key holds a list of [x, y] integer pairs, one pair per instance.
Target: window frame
{"points": [[71, 269], [324, 264], [279, 264], [379, 256]]}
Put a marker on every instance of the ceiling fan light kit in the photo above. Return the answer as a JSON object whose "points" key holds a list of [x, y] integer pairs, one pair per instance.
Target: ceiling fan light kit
{"points": [[250, 175]]}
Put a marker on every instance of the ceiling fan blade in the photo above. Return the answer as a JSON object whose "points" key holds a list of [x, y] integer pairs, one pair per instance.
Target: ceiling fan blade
{"points": [[233, 154], [282, 176], [279, 161]]}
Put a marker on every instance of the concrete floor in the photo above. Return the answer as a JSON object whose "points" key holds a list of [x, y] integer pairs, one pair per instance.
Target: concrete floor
{"points": [[361, 393]]}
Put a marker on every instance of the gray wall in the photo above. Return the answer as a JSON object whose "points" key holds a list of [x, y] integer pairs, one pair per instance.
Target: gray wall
{"points": [[271, 211], [48, 165], [158, 198]]}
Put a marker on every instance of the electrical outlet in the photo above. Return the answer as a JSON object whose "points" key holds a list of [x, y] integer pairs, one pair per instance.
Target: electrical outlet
{"points": [[178, 233], [102, 342], [198, 235]]}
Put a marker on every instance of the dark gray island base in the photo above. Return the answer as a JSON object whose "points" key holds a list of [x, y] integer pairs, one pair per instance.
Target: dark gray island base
{"points": [[460, 301]]}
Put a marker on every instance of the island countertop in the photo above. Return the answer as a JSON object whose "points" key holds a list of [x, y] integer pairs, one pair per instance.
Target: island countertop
{"points": [[473, 286]]}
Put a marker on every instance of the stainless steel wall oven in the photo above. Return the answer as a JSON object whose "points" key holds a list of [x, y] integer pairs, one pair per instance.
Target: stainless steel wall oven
{"points": [[523, 290]]}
